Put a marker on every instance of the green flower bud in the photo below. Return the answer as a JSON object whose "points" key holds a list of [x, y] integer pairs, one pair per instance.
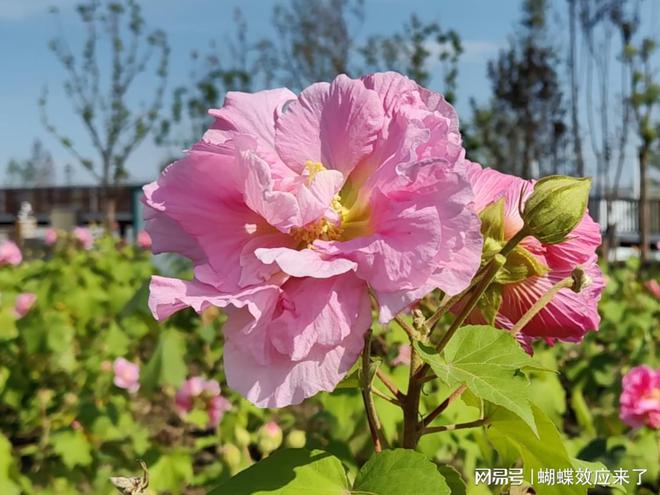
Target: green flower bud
{"points": [[241, 436], [556, 206], [231, 455], [296, 439], [269, 437]]}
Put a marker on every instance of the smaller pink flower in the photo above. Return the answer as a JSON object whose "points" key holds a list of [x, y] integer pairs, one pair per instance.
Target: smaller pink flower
{"points": [[24, 303], [50, 237], [144, 239], [127, 375], [653, 287], [640, 398], [84, 236], [10, 254], [206, 394], [403, 357]]}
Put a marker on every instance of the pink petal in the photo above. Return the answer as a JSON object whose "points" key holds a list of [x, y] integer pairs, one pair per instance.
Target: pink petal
{"points": [[335, 124], [577, 248], [567, 317], [197, 225], [270, 378], [252, 114], [169, 295], [305, 263]]}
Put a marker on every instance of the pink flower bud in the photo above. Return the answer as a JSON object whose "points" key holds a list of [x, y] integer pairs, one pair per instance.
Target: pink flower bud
{"points": [[24, 303], [84, 237], [404, 355], [50, 237], [10, 254], [197, 390], [653, 287], [144, 239], [127, 375]]}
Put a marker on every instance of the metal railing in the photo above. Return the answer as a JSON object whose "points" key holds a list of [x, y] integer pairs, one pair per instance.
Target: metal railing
{"points": [[624, 215]]}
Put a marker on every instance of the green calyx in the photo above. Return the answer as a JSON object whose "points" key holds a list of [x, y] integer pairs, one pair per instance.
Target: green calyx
{"points": [[556, 206]]}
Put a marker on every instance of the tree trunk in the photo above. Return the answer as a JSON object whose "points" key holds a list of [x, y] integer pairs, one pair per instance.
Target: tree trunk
{"points": [[109, 209], [643, 210], [577, 139]]}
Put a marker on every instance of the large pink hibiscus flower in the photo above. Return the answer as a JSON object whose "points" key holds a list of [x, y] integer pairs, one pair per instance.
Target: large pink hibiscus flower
{"points": [[569, 315], [292, 207]]}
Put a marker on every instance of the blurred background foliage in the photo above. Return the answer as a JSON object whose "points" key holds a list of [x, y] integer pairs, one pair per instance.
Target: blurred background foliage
{"points": [[66, 428]]}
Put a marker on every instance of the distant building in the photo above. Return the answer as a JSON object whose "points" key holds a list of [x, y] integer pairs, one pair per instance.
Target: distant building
{"points": [[82, 204]]}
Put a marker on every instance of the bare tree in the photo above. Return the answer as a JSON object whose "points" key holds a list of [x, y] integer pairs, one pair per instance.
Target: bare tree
{"points": [[99, 88], [413, 50], [573, 70], [522, 129], [35, 171], [232, 65], [645, 101]]}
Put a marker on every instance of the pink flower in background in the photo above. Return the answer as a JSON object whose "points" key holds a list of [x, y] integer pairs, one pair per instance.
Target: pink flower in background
{"points": [[569, 315], [292, 207], [24, 303], [207, 393], [144, 239], [10, 254], [653, 287], [127, 375], [50, 237], [84, 236], [272, 429], [404, 355], [640, 397]]}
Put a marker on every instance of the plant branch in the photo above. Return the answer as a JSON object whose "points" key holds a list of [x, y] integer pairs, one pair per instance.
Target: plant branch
{"points": [[406, 327], [453, 427], [369, 405], [386, 397], [438, 410], [387, 381]]}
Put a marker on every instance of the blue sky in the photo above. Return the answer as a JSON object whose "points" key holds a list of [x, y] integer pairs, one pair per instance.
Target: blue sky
{"points": [[26, 64]]}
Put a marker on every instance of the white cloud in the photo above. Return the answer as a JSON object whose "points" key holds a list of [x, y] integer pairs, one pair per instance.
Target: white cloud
{"points": [[15, 10], [474, 50]]}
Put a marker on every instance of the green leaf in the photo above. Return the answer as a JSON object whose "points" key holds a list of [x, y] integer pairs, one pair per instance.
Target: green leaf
{"points": [[487, 361], [490, 302], [290, 472], [398, 471], [7, 485], [167, 365], [350, 380], [171, 472], [453, 479], [72, 447], [492, 220], [7, 324], [546, 451]]}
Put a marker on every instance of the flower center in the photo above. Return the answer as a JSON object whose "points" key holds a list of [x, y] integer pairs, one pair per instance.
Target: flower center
{"points": [[338, 224], [324, 228]]}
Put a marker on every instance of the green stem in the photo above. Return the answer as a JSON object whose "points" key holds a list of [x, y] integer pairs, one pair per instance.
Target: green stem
{"points": [[387, 381], [411, 402], [369, 405], [459, 426], [405, 326], [493, 267], [438, 410]]}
